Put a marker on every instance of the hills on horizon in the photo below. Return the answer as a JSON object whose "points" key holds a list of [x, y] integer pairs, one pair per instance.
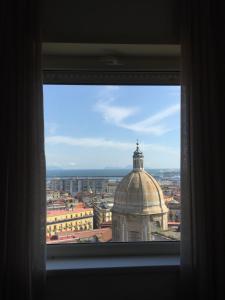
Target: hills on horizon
{"points": [[101, 172], [52, 168]]}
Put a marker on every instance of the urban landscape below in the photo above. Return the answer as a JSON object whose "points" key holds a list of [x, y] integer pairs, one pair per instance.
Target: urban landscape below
{"points": [[82, 209]]}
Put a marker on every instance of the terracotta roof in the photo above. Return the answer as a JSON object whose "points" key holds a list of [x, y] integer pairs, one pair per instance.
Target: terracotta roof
{"points": [[173, 223], [66, 212], [103, 235]]}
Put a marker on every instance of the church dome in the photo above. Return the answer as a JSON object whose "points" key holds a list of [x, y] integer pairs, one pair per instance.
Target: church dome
{"points": [[139, 192]]}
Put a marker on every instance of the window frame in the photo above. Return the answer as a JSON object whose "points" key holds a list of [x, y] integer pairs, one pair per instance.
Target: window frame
{"points": [[112, 77]]}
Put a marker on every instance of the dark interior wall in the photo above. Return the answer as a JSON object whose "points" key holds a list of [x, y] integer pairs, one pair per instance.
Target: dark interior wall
{"points": [[115, 284], [86, 21]]}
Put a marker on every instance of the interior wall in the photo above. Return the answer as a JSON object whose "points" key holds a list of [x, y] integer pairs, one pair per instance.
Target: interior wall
{"points": [[117, 284], [86, 21]]}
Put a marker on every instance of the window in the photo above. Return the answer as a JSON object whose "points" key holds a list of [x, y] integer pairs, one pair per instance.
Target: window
{"points": [[95, 143], [101, 187]]}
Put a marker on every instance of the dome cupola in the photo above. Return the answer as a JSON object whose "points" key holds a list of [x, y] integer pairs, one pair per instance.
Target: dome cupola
{"points": [[138, 159], [139, 192]]}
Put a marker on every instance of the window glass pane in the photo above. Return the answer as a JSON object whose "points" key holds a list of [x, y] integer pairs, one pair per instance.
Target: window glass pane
{"points": [[113, 163]]}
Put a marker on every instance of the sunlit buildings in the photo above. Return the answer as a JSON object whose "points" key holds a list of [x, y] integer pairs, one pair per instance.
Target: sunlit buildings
{"points": [[103, 214], [78, 219]]}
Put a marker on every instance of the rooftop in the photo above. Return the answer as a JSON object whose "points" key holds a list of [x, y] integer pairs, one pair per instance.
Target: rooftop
{"points": [[103, 235], [65, 212]]}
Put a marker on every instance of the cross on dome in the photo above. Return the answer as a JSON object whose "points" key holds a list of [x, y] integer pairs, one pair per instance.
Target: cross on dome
{"points": [[137, 145]]}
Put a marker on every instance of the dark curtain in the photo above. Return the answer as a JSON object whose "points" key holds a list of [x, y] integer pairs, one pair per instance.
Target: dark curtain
{"points": [[22, 203], [203, 123]]}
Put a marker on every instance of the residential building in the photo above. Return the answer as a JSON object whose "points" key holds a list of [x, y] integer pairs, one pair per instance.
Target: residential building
{"points": [[52, 194], [78, 219], [174, 214], [102, 214], [76, 185]]}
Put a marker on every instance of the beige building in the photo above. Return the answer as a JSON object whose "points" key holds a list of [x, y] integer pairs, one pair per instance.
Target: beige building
{"points": [[52, 194], [174, 214], [102, 214], [61, 221], [139, 208], [111, 187]]}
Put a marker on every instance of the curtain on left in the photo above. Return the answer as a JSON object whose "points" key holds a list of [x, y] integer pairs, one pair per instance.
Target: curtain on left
{"points": [[22, 204]]}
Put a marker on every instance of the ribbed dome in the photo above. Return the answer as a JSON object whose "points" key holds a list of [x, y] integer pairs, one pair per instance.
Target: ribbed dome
{"points": [[139, 193]]}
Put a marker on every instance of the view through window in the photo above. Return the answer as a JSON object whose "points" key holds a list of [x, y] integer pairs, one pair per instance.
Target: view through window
{"points": [[113, 163]]}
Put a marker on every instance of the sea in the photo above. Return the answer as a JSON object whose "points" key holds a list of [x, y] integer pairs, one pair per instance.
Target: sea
{"points": [[106, 172]]}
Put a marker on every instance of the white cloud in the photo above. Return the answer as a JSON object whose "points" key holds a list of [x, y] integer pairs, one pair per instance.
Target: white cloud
{"points": [[118, 115], [51, 127], [105, 143], [114, 114], [160, 115], [87, 142], [151, 124], [54, 164]]}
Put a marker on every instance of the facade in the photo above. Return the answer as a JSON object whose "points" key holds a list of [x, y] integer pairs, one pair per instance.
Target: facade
{"points": [[76, 185], [139, 209], [52, 194], [56, 184], [174, 211], [56, 205], [102, 214], [111, 187], [59, 221]]}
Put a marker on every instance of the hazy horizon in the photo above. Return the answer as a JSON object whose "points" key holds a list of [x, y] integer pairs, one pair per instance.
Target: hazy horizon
{"points": [[106, 168]]}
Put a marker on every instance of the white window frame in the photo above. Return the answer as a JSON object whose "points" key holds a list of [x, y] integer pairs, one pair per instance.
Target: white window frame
{"points": [[112, 77]]}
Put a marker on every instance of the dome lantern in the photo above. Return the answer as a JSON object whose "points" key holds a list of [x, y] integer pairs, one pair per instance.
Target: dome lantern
{"points": [[138, 159]]}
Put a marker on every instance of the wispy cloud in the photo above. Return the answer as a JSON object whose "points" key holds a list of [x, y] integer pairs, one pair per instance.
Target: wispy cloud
{"points": [[152, 124], [118, 115], [54, 165], [105, 143], [114, 114], [51, 127], [110, 112], [87, 142]]}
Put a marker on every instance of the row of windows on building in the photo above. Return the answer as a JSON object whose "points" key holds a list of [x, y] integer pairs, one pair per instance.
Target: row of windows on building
{"points": [[86, 224], [73, 186], [69, 216]]}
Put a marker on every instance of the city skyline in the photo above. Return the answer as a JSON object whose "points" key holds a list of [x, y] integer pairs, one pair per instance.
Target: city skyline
{"points": [[101, 131]]}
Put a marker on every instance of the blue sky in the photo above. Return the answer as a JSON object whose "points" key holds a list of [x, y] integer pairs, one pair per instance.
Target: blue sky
{"points": [[95, 127]]}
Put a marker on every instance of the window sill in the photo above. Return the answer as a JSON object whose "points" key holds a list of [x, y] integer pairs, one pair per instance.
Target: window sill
{"points": [[94, 263]]}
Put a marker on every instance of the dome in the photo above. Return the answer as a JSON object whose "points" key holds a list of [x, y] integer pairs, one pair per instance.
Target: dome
{"points": [[139, 193], [139, 209]]}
